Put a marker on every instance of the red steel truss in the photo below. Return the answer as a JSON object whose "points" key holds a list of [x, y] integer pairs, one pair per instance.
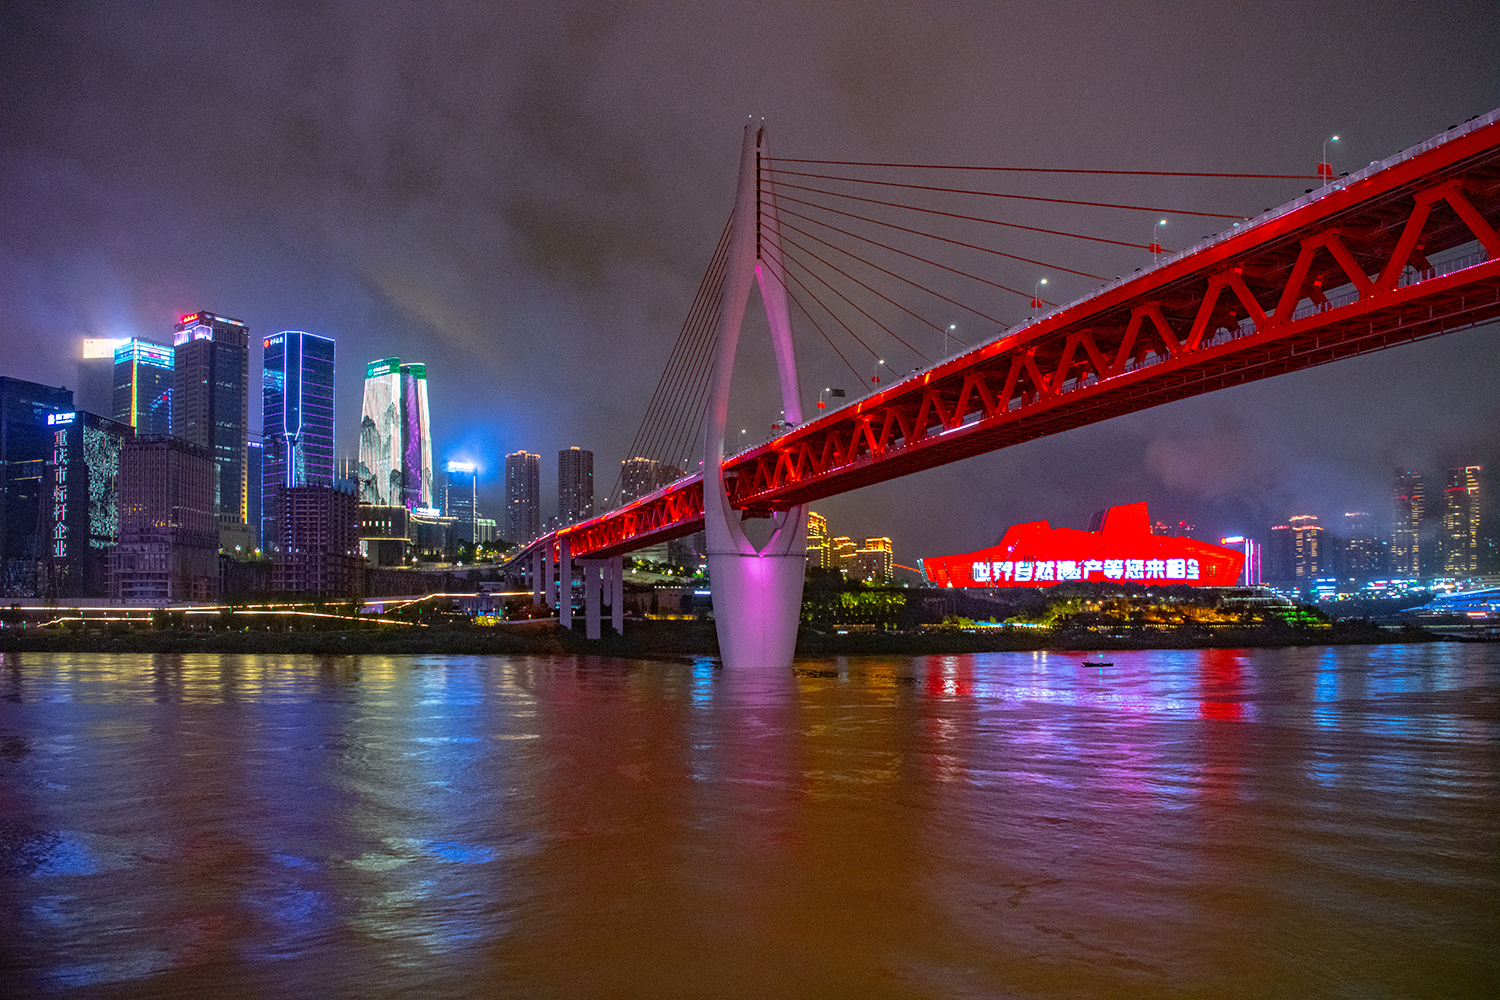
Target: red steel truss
{"points": [[669, 513], [1345, 270]]}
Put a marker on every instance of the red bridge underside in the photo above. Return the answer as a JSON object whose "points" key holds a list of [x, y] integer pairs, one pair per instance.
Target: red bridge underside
{"points": [[1343, 271]]}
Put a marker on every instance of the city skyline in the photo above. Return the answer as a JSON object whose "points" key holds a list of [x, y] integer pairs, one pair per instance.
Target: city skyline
{"points": [[592, 238]]}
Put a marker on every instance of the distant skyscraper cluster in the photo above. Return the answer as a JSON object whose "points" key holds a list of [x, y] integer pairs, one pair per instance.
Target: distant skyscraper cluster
{"points": [[872, 562]]}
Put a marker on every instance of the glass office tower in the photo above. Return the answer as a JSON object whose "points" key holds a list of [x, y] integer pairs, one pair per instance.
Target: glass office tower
{"points": [[297, 417]]}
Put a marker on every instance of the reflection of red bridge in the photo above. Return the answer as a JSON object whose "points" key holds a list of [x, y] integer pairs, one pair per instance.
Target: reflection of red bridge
{"points": [[1347, 269]]}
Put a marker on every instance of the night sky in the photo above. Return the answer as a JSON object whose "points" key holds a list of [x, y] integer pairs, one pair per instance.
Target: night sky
{"points": [[524, 196]]}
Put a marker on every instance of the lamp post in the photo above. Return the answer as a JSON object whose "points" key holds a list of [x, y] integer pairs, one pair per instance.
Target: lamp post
{"points": [[1325, 168], [1155, 247], [951, 327], [1036, 293]]}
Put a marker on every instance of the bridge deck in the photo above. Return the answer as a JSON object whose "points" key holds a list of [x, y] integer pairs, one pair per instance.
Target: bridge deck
{"points": [[1403, 250]]}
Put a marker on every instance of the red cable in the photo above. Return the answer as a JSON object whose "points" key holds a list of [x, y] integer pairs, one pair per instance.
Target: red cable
{"points": [[898, 277], [943, 239], [970, 218], [987, 194], [856, 305], [1046, 170], [904, 253], [872, 291], [792, 295]]}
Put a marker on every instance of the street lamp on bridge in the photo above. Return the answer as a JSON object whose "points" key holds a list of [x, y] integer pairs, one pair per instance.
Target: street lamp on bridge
{"points": [[1155, 247], [1325, 168], [1036, 293]]}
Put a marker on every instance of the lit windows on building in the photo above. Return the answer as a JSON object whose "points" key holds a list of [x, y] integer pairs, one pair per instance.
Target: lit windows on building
{"points": [[1460, 538], [575, 486], [523, 507], [1408, 507], [819, 555], [297, 382], [211, 406], [142, 391]]}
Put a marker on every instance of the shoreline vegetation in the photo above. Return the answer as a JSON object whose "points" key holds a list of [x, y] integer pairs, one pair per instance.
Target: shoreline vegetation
{"points": [[646, 639]]}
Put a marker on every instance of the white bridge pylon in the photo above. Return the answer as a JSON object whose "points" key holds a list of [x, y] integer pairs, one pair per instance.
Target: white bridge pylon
{"points": [[757, 592]]}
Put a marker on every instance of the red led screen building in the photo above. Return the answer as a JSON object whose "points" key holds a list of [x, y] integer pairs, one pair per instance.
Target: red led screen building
{"points": [[1123, 550]]}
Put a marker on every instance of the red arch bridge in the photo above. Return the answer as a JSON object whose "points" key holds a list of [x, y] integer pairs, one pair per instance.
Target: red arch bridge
{"points": [[1344, 270]]}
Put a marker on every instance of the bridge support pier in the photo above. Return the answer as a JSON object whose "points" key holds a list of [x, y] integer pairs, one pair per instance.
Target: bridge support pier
{"points": [[564, 584], [548, 578], [592, 569], [614, 576], [536, 576], [757, 591]]}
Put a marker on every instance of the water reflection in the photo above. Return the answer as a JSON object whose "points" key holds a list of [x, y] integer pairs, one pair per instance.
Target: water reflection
{"points": [[1266, 822]]}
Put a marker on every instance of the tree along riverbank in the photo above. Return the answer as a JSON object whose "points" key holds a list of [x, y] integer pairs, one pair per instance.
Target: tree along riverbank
{"points": [[677, 638]]}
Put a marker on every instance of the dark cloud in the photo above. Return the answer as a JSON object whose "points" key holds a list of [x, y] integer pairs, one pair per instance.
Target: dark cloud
{"points": [[525, 195]]}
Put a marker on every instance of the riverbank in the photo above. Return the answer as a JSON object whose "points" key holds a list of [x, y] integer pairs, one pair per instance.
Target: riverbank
{"points": [[658, 638]]}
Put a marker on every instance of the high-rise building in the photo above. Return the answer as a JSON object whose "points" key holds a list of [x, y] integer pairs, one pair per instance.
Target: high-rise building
{"points": [[819, 555], [1363, 557], [83, 499], [1460, 539], [1250, 572], [395, 437], [873, 562], [297, 416], [211, 409], [255, 470], [575, 486], [523, 508], [842, 549], [416, 488], [169, 539], [1408, 507], [1308, 548], [641, 477], [459, 499], [141, 389], [380, 433], [25, 450], [96, 375], [315, 552]]}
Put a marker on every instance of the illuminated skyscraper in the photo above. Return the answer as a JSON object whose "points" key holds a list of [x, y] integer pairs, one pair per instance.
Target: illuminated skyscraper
{"points": [[84, 501], [1362, 555], [818, 554], [523, 508], [297, 412], [416, 442], [1308, 547], [25, 449], [1461, 522], [380, 433], [141, 395], [1250, 572], [575, 486], [96, 375], [395, 436], [211, 409], [874, 561], [1408, 505]]}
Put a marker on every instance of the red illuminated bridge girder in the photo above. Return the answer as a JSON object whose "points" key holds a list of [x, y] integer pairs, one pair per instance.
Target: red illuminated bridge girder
{"points": [[1342, 271]]}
